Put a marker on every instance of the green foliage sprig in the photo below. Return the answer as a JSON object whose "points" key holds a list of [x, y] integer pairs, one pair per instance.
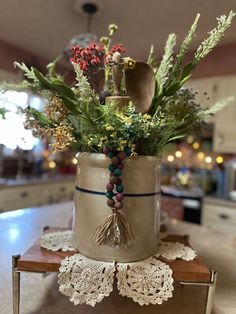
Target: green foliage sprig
{"points": [[178, 73], [75, 117], [166, 64], [214, 37]]}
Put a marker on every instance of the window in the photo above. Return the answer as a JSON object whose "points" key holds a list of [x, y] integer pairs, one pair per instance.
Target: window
{"points": [[12, 131]]}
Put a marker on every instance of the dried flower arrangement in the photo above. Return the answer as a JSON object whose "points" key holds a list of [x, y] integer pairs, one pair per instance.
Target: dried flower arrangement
{"points": [[148, 109], [77, 116]]}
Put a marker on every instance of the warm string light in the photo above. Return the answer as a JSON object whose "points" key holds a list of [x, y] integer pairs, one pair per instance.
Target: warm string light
{"points": [[201, 155], [170, 158], [196, 145], [219, 159], [208, 159], [190, 139], [51, 164], [178, 154], [74, 161]]}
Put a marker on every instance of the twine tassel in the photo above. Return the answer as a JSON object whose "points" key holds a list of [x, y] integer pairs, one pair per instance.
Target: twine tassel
{"points": [[114, 231]]}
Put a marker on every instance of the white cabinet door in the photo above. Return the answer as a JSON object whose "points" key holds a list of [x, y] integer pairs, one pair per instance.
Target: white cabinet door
{"points": [[58, 192], [219, 217], [36, 195], [225, 121], [21, 197], [219, 88], [207, 92], [221, 227]]}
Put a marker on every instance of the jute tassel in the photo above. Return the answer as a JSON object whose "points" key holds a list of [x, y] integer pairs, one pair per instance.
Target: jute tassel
{"points": [[114, 231]]}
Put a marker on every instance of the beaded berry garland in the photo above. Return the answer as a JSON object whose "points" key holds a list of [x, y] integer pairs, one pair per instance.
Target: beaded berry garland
{"points": [[115, 182], [115, 231]]}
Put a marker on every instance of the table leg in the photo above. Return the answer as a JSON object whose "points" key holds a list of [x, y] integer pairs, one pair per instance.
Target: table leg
{"points": [[211, 291], [15, 285], [211, 286]]}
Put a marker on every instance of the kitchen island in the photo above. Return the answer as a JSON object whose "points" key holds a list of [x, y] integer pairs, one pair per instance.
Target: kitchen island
{"points": [[20, 228]]}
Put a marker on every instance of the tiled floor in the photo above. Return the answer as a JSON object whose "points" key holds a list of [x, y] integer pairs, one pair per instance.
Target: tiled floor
{"points": [[19, 229]]}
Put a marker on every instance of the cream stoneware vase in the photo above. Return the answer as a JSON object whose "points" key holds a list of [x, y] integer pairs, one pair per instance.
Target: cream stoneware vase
{"points": [[140, 178]]}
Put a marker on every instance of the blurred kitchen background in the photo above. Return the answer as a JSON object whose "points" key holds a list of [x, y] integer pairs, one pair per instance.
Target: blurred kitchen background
{"points": [[198, 172]]}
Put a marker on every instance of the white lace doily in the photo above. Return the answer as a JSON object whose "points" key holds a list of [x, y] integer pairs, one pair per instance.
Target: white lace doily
{"points": [[85, 280], [61, 241], [57, 241], [146, 282], [88, 281], [174, 250]]}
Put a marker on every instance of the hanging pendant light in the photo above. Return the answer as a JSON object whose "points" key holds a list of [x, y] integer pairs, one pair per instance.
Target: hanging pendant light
{"points": [[85, 39]]}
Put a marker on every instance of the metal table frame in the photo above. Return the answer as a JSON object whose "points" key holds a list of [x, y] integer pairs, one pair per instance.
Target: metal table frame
{"points": [[16, 274]]}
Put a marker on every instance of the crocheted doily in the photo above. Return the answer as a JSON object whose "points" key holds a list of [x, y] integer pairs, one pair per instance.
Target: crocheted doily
{"points": [[88, 281], [61, 241], [85, 280], [174, 250], [57, 241], [146, 282]]}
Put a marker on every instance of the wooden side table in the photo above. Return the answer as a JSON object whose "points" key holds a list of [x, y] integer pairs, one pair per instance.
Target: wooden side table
{"points": [[40, 260]]}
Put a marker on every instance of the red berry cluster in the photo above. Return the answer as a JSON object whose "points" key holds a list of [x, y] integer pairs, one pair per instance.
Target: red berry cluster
{"points": [[114, 200], [89, 58], [117, 48]]}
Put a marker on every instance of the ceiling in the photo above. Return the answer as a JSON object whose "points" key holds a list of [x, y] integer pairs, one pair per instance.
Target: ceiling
{"points": [[44, 27]]}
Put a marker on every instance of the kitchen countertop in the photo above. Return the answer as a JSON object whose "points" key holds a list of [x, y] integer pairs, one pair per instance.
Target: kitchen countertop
{"points": [[192, 192], [8, 183], [20, 228], [219, 201]]}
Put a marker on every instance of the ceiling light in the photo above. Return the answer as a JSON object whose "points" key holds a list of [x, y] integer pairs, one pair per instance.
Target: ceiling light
{"points": [[81, 7], [89, 9]]}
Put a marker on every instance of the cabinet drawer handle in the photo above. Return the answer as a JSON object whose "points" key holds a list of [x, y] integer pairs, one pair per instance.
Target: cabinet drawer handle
{"points": [[223, 216], [62, 189], [24, 194]]}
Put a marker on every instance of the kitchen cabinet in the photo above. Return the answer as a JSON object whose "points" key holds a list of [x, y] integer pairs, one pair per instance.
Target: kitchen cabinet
{"points": [[40, 192], [21, 196], [219, 214], [58, 192], [219, 88], [225, 126]]}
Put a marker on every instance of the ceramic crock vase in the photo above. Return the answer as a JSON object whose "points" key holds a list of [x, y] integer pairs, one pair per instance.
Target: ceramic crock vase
{"points": [[140, 178]]}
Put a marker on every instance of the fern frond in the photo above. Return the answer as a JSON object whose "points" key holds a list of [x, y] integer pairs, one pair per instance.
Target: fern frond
{"points": [[187, 42], [166, 63], [214, 36], [84, 89], [29, 73]]}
